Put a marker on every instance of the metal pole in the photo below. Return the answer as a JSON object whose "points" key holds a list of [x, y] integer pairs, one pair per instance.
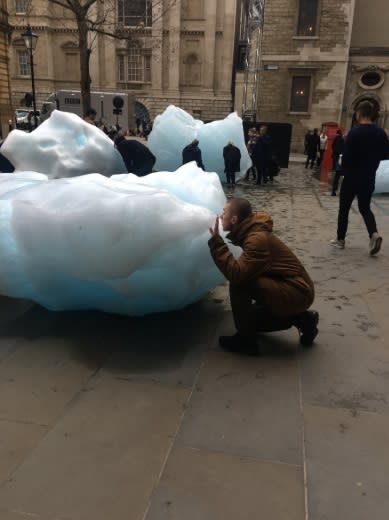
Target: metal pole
{"points": [[33, 87]]}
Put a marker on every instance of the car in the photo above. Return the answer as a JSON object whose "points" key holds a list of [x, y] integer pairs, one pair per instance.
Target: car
{"points": [[24, 118]]}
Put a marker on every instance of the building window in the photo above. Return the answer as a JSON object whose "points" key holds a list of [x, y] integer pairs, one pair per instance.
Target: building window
{"points": [[371, 80], [307, 19], [121, 67], [147, 63], [23, 63], [133, 13], [21, 6], [134, 66], [241, 59], [301, 90]]}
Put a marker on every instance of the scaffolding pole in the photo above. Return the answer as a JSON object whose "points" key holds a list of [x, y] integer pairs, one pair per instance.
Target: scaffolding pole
{"points": [[252, 24]]}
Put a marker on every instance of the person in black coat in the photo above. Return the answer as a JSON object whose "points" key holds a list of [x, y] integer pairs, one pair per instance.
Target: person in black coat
{"points": [[313, 147], [261, 154], [337, 152], [5, 165], [232, 158], [365, 147], [136, 156], [192, 152]]}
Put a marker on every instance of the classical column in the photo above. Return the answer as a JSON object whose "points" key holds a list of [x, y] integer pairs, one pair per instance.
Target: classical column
{"points": [[227, 40], [174, 48], [156, 56], [209, 45]]}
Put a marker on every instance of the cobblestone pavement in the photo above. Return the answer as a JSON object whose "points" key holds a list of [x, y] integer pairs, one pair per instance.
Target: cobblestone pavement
{"points": [[109, 418]]}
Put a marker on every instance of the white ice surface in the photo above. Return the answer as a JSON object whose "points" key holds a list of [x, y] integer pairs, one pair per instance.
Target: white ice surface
{"points": [[175, 128], [63, 146], [121, 244], [382, 178]]}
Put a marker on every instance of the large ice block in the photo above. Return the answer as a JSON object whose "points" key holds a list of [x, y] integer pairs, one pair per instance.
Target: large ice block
{"points": [[63, 146], [175, 128], [382, 178], [121, 244]]}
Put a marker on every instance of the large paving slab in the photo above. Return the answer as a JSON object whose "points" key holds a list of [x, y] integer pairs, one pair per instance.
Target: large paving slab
{"points": [[347, 464], [247, 407], [16, 441], [38, 380], [202, 485], [103, 458], [168, 348], [347, 372], [102, 416]]}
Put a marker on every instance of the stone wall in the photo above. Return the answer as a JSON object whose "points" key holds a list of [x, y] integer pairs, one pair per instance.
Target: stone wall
{"points": [[191, 58], [5, 101], [324, 57]]}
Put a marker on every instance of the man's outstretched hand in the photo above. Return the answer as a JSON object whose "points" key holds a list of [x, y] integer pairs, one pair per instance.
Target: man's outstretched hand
{"points": [[215, 230]]}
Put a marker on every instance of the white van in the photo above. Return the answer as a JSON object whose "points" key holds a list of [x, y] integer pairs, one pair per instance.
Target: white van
{"points": [[102, 102]]}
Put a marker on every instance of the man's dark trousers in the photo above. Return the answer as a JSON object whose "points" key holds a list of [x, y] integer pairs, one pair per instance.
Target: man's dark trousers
{"points": [[363, 191]]}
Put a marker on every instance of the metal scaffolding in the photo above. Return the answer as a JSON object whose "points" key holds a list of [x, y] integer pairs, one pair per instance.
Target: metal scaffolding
{"points": [[251, 30]]}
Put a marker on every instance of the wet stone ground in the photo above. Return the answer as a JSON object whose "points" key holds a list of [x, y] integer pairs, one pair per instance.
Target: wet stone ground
{"points": [[106, 417]]}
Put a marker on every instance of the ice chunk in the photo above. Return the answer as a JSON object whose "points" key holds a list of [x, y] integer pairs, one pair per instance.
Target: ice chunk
{"points": [[175, 128], [382, 178], [63, 146], [120, 244], [189, 183]]}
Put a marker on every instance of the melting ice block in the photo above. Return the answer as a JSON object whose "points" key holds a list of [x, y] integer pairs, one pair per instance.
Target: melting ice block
{"points": [[121, 244], [175, 128], [382, 178], [63, 146]]}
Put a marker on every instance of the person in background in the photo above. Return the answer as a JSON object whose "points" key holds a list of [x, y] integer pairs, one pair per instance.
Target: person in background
{"points": [[136, 156], [90, 116], [252, 139], [232, 156], [337, 148], [337, 175], [313, 148], [262, 154], [337, 153], [365, 147], [309, 132], [192, 152], [268, 148], [268, 273], [5, 165], [323, 147]]}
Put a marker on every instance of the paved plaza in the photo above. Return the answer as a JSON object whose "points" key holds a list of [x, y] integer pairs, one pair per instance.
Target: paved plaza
{"points": [[107, 417]]}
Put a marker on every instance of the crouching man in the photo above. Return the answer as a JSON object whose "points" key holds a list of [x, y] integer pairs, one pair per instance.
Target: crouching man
{"points": [[267, 273]]}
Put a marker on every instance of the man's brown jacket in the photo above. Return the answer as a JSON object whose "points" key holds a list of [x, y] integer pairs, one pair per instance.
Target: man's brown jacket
{"points": [[266, 264]]}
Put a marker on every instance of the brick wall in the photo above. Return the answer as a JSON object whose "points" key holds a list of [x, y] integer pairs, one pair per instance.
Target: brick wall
{"points": [[324, 57]]}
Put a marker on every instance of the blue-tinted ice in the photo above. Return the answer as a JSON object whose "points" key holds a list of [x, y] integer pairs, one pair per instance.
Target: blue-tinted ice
{"points": [[175, 128], [122, 244]]}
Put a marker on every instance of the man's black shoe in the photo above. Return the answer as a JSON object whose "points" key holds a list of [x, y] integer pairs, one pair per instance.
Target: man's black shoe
{"points": [[239, 344], [306, 323]]}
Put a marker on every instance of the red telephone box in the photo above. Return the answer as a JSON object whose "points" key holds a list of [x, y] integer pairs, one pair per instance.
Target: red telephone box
{"points": [[330, 130]]}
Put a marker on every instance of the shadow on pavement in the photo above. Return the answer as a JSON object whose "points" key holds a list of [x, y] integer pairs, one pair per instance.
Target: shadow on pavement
{"points": [[159, 341]]}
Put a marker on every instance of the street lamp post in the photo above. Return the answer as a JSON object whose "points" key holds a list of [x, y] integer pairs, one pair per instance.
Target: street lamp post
{"points": [[30, 41]]}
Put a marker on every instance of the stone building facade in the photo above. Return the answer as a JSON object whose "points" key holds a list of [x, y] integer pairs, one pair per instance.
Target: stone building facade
{"points": [[319, 59], [368, 70], [180, 53], [304, 63], [5, 94]]}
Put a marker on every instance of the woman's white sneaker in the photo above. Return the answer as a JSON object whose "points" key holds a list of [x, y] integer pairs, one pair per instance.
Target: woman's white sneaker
{"points": [[375, 244]]}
